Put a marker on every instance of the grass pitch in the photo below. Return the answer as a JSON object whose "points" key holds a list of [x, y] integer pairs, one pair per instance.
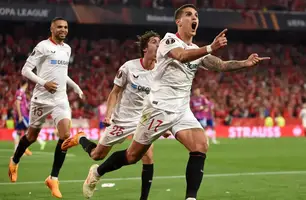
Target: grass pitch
{"points": [[237, 169]]}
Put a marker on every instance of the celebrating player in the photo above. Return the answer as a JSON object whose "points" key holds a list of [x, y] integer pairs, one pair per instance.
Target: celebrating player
{"points": [[51, 59], [168, 105], [124, 105]]}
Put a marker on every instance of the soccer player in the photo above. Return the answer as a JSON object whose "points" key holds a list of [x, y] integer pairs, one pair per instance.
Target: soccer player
{"points": [[202, 109], [51, 58], [22, 116], [132, 84], [168, 105]]}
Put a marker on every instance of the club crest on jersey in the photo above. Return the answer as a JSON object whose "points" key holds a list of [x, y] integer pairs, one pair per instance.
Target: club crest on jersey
{"points": [[141, 88], [170, 41]]}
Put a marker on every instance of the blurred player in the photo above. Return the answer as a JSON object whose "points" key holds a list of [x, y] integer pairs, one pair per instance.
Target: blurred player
{"points": [[168, 106], [102, 111], [132, 84], [210, 122], [22, 116], [203, 111], [51, 58], [303, 117]]}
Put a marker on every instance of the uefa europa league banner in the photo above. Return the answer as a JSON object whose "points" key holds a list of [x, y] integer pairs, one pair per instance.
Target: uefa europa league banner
{"points": [[90, 14]]}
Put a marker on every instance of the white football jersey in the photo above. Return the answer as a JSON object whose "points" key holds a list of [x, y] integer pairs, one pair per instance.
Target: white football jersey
{"points": [[51, 61], [171, 90], [137, 83]]}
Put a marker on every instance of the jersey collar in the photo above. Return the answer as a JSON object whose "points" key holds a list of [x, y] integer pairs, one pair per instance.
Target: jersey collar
{"points": [[51, 40], [178, 35], [141, 63]]}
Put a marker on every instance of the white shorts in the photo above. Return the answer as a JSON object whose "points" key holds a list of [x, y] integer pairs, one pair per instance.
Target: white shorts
{"points": [[117, 133], [39, 112], [155, 122]]}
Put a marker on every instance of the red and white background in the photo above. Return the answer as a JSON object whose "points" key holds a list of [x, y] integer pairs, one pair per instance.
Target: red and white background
{"points": [[240, 128]]}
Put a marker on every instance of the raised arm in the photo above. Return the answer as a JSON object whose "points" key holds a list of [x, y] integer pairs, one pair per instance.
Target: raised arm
{"points": [[214, 63], [171, 47]]}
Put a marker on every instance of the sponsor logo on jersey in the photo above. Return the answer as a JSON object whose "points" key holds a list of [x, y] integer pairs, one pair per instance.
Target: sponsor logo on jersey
{"points": [[192, 66], [59, 62], [141, 88]]}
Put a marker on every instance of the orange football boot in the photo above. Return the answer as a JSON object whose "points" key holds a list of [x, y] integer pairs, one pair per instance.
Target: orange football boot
{"points": [[73, 141], [13, 170], [53, 185]]}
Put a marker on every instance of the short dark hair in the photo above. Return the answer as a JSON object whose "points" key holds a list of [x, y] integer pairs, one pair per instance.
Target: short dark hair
{"points": [[144, 39], [179, 11], [57, 19]]}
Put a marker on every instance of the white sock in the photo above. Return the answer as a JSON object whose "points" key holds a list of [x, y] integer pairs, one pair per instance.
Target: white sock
{"points": [[213, 138], [191, 198], [96, 172], [54, 178], [16, 142]]}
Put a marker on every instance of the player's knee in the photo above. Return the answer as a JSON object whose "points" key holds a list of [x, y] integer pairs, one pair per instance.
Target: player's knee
{"points": [[132, 157], [201, 146], [147, 159], [31, 138]]}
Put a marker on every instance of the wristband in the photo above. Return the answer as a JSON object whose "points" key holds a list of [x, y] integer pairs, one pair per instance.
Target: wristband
{"points": [[208, 49]]}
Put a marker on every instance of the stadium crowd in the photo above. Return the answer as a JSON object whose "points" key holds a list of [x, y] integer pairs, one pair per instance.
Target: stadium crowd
{"points": [[292, 5], [274, 87]]}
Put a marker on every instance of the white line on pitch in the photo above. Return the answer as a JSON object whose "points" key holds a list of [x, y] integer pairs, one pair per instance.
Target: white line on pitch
{"points": [[38, 152], [170, 177]]}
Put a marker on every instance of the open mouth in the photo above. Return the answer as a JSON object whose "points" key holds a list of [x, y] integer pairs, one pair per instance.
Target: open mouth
{"points": [[193, 25]]}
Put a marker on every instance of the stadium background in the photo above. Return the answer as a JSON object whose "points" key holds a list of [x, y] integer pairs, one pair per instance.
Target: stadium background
{"points": [[102, 34]]}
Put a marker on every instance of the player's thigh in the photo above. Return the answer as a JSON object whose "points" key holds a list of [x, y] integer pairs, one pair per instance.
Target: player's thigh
{"points": [[190, 133], [153, 124], [61, 114], [117, 133], [148, 156]]}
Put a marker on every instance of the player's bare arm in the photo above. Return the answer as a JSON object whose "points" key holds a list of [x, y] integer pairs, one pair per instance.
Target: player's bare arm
{"points": [[214, 63], [111, 103], [189, 55]]}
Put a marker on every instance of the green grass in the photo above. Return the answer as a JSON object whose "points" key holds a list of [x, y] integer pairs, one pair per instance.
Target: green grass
{"points": [[231, 157]]}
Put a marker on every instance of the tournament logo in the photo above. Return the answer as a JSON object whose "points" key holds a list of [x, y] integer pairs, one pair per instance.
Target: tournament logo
{"points": [[170, 41]]}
